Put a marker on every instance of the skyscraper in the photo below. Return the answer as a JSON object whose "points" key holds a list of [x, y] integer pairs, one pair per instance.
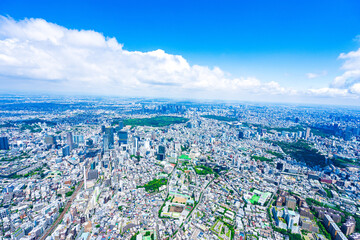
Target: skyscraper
{"points": [[66, 150], [307, 134], [50, 139], [69, 140], [123, 137], [161, 153], [109, 134], [4, 143]]}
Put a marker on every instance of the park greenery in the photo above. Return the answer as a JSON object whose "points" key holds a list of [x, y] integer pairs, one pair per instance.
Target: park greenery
{"points": [[303, 152], [154, 185], [19, 157], [311, 201], [261, 159], [203, 170], [38, 171], [68, 194], [34, 128], [278, 129], [276, 154], [344, 162], [159, 121], [220, 118]]}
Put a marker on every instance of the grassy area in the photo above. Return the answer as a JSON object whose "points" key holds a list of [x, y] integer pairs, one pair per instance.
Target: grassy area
{"points": [[154, 185], [37, 171], [160, 121], [261, 159], [345, 162], [303, 152], [220, 118], [322, 132], [255, 199], [21, 156], [185, 157], [278, 129], [276, 154], [33, 128], [203, 170]]}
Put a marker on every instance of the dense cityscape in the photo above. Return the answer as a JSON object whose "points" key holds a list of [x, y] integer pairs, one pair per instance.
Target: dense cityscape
{"points": [[141, 169]]}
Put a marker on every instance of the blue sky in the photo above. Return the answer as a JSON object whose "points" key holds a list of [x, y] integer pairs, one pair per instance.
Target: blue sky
{"points": [[281, 41]]}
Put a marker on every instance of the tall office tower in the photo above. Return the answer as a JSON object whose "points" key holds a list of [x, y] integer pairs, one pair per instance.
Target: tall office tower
{"points": [[109, 131], [69, 140], [50, 139], [66, 151], [135, 145], [4, 143], [241, 134], [84, 178], [307, 135], [280, 166], [78, 139], [106, 142], [161, 153], [123, 137]]}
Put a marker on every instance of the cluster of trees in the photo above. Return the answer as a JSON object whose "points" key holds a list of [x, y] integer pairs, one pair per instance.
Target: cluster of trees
{"points": [[68, 194], [261, 159], [159, 121], [220, 118], [203, 170], [303, 152], [276, 154], [154, 185], [291, 236]]}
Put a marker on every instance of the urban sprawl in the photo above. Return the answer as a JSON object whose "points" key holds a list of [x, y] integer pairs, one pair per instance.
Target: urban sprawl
{"points": [[146, 169]]}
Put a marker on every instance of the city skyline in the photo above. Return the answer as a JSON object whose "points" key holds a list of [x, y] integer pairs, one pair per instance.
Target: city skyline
{"points": [[259, 56]]}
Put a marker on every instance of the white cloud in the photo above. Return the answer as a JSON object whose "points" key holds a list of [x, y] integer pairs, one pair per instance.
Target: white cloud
{"points": [[351, 67], [86, 61], [38, 55], [316, 75], [329, 92]]}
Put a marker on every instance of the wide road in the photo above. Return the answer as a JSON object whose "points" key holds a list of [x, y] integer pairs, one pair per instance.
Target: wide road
{"points": [[67, 206]]}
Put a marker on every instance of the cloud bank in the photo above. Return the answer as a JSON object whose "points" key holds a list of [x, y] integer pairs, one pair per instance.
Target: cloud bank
{"points": [[36, 54]]}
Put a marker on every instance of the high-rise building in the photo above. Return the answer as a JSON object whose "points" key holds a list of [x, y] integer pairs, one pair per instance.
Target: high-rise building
{"points": [[161, 153], [106, 142], [123, 137], [349, 226], [66, 150], [4, 143], [307, 134], [280, 166], [78, 139], [92, 174], [50, 139], [69, 140], [291, 202], [109, 138], [241, 135]]}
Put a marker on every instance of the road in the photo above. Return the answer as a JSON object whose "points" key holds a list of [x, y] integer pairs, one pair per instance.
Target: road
{"points": [[67, 206], [189, 215]]}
